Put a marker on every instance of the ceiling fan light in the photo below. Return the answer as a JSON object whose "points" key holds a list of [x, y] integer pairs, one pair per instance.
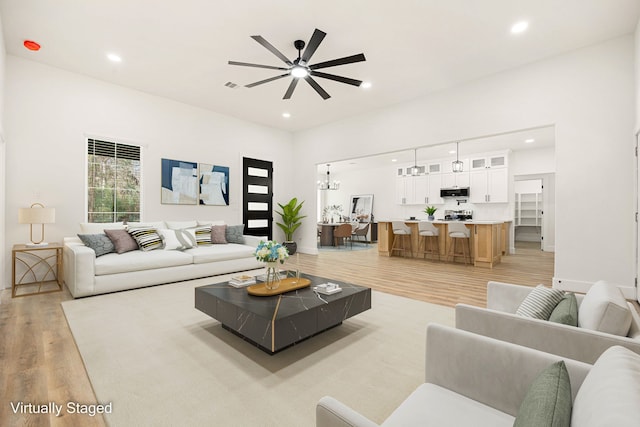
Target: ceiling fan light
{"points": [[299, 72]]}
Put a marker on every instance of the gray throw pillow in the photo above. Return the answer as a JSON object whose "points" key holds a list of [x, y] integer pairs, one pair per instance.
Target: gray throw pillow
{"points": [[100, 243], [234, 234], [548, 400], [566, 312], [122, 241]]}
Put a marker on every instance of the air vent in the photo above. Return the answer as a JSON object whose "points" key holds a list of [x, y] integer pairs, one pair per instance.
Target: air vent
{"points": [[231, 85]]}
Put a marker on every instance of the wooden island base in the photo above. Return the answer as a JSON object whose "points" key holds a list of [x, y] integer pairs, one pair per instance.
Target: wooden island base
{"points": [[489, 240]]}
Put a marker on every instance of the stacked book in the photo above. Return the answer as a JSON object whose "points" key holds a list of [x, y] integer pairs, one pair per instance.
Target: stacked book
{"points": [[242, 281]]}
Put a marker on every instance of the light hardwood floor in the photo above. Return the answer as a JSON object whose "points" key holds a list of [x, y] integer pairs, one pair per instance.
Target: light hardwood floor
{"points": [[40, 363]]}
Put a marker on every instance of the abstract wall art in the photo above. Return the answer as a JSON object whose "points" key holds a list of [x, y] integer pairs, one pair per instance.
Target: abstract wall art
{"points": [[179, 182], [214, 184]]}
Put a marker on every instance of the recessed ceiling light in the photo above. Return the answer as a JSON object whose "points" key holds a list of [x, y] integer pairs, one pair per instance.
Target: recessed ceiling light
{"points": [[394, 160], [519, 27], [452, 152], [530, 140], [365, 85], [31, 45], [113, 57], [286, 115]]}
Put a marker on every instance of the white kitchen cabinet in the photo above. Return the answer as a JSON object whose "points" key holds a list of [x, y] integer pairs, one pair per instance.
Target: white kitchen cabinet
{"points": [[489, 186], [433, 189], [488, 161], [455, 179], [412, 190]]}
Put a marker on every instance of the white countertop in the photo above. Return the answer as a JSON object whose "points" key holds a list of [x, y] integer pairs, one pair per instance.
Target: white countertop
{"points": [[442, 221]]}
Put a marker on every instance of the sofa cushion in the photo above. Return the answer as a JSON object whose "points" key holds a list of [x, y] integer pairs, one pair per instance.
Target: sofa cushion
{"points": [[177, 239], [122, 240], [566, 312], [234, 233], [99, 227], [204, 254], [216, 222], [218, 234], [548, 399], [177, 225], [432, 405], [140, 260], [201, 234], [610, 392], [604, 309], [540, 302], [634, 329], [156, 224], [147, 238], [100, 243]]}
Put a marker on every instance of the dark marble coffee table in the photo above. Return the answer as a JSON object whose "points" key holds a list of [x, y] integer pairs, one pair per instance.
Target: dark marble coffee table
{"points": [[276, 322]]}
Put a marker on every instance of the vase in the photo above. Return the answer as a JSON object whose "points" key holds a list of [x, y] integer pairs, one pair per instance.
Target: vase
{"points": [[431, 217], [272, 280], [292, 247]]}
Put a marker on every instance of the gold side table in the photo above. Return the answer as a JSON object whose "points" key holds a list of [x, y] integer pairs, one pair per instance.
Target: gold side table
{"points": [[36, 269]]}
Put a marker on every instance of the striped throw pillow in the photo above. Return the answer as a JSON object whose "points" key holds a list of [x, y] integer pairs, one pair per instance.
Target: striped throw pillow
{"points": [[147, 238], [540, 302], [201, 234]]}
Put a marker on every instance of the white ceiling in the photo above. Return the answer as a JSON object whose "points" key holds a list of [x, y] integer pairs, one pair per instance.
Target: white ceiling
{"points": [[180, 50]]}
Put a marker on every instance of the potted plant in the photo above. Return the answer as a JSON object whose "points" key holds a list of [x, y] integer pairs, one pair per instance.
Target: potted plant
{"points": [[290, 214], [430, 210]]}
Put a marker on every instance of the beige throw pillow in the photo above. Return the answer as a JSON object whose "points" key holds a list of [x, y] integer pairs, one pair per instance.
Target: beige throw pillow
{"points": [[604, 309]]}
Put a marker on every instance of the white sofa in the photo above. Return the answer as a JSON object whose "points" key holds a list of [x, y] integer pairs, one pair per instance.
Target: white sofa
{"points": [[85, 274], [472, 380], [499, 321]]}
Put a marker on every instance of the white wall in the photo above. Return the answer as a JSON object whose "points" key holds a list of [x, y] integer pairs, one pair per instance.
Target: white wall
{"points": [[50, 111], [3, 161], [588, 94]]}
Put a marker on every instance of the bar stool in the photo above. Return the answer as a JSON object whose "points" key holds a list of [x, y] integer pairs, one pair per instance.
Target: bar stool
{"points": [[428, 234], [400, 232], [458, 231]]}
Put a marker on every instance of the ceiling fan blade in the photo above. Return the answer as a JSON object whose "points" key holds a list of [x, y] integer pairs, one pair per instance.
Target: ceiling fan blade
{"points": [[292, 87], [246, 64], [272, 49], [317, 87], [266, 80], [313, 44], [340, 79], [340, 61]]}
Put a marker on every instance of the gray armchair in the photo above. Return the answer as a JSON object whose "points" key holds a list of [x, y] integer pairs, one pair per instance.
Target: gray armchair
{"points": [[499, 321]]}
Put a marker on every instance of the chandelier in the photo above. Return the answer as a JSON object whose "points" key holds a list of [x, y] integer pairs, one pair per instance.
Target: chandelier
{"points": [[327, 184]]}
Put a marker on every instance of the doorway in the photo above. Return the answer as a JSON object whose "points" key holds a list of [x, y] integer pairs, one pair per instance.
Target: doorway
{"points": [[534, 211]]}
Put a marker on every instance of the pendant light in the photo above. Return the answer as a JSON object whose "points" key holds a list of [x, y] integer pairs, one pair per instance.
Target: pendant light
{"points": [[328, 184], [414, 169], [457, 164]]}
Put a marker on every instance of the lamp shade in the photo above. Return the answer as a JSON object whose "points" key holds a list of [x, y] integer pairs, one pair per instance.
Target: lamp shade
{"points": [[37, 215]]}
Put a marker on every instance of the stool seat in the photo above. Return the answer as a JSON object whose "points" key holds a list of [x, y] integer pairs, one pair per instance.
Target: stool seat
{"points": [[400, 232], [429, 234], [458, 232]]}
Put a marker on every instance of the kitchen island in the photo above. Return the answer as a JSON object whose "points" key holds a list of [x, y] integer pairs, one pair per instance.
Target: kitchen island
{"points": [[488, 240]]}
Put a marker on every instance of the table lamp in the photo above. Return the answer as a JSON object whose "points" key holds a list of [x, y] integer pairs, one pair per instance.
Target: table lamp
{"points": [[36, 214]]}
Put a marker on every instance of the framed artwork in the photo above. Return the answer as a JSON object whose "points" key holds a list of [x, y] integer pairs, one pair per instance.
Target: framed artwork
{"points": [[179, 182], [214, 184], [361, 207]]}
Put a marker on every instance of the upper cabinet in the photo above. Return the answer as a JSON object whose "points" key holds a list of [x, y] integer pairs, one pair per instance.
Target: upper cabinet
{"points": [[496, 160], [418, 189]]}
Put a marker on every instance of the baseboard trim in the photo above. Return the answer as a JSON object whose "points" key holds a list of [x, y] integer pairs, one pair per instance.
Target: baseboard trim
{"points": [[629, 292]]}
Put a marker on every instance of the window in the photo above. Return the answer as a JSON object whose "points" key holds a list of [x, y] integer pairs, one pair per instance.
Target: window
{"points": [[113, 181]]}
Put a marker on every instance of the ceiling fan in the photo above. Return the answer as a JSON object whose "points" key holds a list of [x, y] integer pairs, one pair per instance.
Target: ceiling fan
{"points": [[300, 67]]}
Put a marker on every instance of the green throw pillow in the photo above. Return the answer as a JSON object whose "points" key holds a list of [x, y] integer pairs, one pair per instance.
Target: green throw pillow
{"points": [[566, 311], [548, 400]]}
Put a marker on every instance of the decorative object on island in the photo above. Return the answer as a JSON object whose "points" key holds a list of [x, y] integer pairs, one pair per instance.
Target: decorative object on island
{"points": [[36, 214], [214, 184], [327, 184], [179, 182], [290, 214], [457, 165], [271, 252], [430, 210]]}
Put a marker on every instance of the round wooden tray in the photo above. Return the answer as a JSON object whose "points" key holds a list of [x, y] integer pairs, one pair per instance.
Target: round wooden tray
{"points": [[286, 285]]}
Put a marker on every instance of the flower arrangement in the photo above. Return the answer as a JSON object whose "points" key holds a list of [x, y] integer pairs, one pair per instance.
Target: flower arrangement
{"points": [[271, 251]]}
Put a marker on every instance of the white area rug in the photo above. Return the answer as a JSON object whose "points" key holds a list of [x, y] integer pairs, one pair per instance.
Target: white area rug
{"points": [[162, 362]]}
